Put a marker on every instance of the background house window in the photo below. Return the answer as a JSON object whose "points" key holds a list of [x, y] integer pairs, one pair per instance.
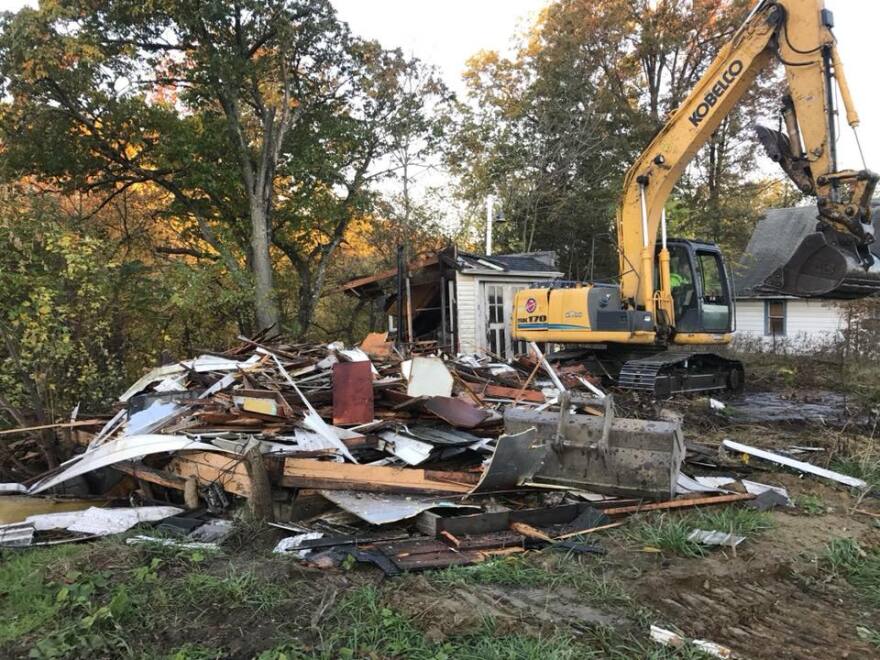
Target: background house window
{"points": [[774, 318]]}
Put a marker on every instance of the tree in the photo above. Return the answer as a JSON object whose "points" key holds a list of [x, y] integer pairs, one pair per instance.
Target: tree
{"points": [[259, 120], [553, 129], [57, 326]]}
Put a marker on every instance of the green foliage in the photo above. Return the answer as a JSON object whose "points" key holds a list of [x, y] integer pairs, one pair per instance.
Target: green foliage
{"points": [[257, 122], [863, 465], [812, 505], [670, 531], [552, 130], [860, 567], [28, 602], [58, 294], [242, 588]]}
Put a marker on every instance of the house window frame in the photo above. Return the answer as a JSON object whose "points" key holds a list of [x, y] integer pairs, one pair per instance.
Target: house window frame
{"points": [[767, 317]]}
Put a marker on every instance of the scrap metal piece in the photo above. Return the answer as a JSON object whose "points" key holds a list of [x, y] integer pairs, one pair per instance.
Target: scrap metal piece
{"points": [[456, 412], [118, 450], [201, 364], [714, 537], [759, 489], [312, 419], [407, 449], [436, 436], [352, 393], [152, 418], [93, 522], [143, 539], [378, 509], [291, 544], [642, 458], [428, 376], [17, 535], [767, 500], [514, 462], [800, 466], [669, 638]]}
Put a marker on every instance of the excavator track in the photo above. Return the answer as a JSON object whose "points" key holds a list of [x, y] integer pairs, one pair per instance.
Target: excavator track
{"points": [[666, 374]]}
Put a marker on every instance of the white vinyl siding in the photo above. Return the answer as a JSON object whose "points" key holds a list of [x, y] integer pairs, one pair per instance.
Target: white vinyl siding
{"points": [[808, 323], [466, 299], [473, 310]]}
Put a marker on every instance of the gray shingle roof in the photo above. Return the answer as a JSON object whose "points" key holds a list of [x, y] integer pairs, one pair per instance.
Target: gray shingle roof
{"points": [[528, 262]]}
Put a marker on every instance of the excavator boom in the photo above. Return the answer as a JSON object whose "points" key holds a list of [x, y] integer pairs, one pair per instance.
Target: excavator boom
{"points": [[796, 33]]}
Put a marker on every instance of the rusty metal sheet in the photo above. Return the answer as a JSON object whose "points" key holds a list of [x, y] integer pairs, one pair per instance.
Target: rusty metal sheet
{"points": [[457, 412], [352, 393]]}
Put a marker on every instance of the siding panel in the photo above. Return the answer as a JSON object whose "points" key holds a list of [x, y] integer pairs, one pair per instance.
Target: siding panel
{"points": [[809, 324], [466, 300]]}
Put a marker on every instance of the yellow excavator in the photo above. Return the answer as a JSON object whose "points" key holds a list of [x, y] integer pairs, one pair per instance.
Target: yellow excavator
{"points": [[675, 295]]}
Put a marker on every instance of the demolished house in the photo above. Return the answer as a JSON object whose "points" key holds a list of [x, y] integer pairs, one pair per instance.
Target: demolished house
{"points": [[769, 319], [459, 300], [409, 462]]}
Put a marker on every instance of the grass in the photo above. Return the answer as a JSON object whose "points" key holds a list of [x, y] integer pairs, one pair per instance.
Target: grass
{"points": [[366, 627], [870, 635], [669, 531], [586, 576], [861, 568], [243, 588], [864, 465], [812, 505], [27, 602]]}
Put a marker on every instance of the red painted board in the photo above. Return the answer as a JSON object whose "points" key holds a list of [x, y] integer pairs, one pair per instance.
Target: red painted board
{"points": [[352, 393]]}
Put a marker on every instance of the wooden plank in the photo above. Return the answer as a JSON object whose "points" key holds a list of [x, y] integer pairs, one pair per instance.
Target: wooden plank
{"points": [[416, 264], [151, 474], [228, 470], [486, 523], [306, 473], [352, 393], [60, 425], [501, 392], [679, 504]]}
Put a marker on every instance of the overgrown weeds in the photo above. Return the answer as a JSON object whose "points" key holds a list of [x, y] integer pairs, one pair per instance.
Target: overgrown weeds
{"points": [[844, 557], [669, 531]]}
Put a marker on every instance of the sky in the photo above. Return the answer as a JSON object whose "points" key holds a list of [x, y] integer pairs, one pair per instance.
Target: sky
{"points": [[447, 33]]}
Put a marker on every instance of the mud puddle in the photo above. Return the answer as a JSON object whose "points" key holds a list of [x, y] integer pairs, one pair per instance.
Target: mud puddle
{"points": [[764, 407]]}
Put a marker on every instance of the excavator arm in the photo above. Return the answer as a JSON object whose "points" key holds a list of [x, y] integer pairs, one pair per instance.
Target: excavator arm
{"points": [[796, 33]]}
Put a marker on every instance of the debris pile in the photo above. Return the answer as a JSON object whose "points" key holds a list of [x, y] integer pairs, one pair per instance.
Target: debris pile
{"points": [[408, 462]]}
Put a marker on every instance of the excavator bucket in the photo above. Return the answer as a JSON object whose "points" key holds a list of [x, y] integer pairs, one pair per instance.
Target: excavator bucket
{"points": [[611, 455], [790, 257], [825, 265]]}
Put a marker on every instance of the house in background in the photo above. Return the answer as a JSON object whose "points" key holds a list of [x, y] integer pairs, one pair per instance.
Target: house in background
{"points": [[463, 301], [767, 320]]}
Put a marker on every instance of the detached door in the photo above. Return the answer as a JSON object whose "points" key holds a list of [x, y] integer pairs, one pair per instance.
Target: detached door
{"points": [[497, 313]]}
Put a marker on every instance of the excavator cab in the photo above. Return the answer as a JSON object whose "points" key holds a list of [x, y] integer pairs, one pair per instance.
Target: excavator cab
{"points": [[702, 294]]}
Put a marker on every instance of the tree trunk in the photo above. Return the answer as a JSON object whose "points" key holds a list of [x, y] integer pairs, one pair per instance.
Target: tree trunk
{"points": [[265, 304]]}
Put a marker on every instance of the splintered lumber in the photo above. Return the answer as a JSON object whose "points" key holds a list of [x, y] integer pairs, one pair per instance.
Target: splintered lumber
{"points": [[679, 504], [151, 474], [501, 392], [228, 470], [307, 473], [529, 531], [60, 425], [260, 501]]}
